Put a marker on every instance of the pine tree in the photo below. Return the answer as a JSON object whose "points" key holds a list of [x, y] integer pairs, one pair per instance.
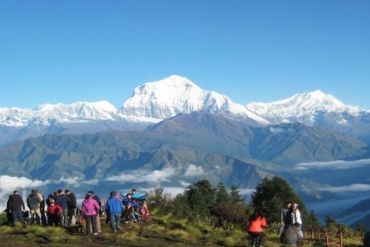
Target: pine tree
{"points": [[271, 196], [201, 198], [222, 196]]}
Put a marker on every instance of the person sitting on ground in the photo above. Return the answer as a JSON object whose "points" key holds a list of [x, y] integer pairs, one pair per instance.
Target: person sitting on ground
{"points": [[257, 222], [114, 207], [54, 213], [129, 214]]}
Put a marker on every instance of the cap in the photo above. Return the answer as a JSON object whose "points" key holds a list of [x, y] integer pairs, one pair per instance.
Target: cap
{"points": [[91, 192]]}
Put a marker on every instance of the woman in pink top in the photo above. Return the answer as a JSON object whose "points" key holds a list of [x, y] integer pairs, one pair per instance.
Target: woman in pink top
{"points": [[256, 224], [90, 208]]}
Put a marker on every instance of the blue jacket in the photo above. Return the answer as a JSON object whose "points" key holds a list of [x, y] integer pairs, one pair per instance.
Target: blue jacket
{"points": [[62, 201], [114, 205]]}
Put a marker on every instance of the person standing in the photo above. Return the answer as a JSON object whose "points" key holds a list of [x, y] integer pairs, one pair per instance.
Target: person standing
{"points": [[14, 206], [297, 220], [97, 199], [33, 202], [62, 201], [114, 206], [43, 211], [72, 204], [90, 208], [284, 218], [257, 222]]}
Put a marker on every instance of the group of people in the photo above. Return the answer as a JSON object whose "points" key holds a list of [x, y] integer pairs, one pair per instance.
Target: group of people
{"points": [[290, 231], [60, 209]]}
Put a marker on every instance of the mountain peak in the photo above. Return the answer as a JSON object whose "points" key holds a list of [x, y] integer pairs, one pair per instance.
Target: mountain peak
{"points": [[301, 107], [175, 94]]}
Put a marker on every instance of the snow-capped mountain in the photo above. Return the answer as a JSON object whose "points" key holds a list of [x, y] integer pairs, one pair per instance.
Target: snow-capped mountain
{"points": [[175, 94], [315, 109], [155, 101], [302, 108], [47, 113]]}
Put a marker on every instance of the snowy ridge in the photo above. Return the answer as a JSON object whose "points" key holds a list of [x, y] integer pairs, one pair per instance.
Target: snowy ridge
{"points": [[302, 108], [47, 113], [176, 94], [155, 101]]}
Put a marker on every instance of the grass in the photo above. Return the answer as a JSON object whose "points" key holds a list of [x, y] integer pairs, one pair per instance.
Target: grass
{"points": [[161, 232]]}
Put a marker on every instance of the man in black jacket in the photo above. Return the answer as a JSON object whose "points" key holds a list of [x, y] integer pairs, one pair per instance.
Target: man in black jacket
{"points": [[72, 204], [14, 206]]}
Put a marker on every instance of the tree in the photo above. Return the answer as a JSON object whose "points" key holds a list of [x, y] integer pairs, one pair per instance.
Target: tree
{"points": [[234, 195], [312, 220], [222, 196], [271, 196], [201, 198]]}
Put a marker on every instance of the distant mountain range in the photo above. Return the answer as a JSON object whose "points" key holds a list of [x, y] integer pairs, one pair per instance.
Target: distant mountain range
{"points": [[172, 133], [156, 101]]}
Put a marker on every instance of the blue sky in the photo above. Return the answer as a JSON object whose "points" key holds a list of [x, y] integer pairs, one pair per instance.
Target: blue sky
{"points": [[89, 50]]}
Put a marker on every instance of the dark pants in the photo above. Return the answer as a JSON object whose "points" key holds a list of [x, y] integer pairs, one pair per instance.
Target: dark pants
{"points": [[54, 219], [115, 221], [18, 214], [258, 238], [9, 217], [43, 217], [91, 221], [71, 213]]}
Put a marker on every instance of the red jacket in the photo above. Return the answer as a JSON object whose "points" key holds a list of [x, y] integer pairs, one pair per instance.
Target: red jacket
{"points": [[257, 225], [54, 209]]}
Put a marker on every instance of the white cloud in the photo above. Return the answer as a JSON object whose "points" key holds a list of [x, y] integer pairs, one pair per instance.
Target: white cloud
{"points": [[8, 184], [184, 184], [276, 130], [75, 181], [347, 188], [193, 171], [91, 182], [139, 176], [246, 191], [334, 165]]}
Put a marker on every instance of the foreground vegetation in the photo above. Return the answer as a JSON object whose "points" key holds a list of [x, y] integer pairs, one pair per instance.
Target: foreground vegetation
{"points": [[201, 216]]}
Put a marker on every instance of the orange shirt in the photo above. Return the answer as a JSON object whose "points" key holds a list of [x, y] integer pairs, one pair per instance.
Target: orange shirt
{"points": [[257, 225]]}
